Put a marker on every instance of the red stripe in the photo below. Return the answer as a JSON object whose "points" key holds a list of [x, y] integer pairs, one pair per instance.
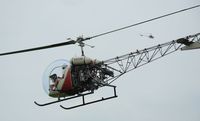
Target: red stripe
{"points": [[68, 81]]}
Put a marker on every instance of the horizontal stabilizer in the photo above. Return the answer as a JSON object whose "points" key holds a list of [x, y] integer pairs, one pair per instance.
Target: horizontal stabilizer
{"points": [[194, 45]]}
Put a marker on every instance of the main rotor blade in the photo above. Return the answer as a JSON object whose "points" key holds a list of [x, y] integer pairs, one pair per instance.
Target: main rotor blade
{"points": [[146, 21], [39, 48]]}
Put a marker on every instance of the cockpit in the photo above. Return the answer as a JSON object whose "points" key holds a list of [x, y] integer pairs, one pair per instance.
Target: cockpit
{"points": [[54, 73]]}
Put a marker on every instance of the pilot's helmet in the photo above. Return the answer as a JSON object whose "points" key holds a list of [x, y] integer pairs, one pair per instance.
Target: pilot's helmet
{"points": [[53, 77]]}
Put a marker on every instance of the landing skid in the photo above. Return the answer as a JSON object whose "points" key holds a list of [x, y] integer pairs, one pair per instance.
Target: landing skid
{"points": [[91, 102], [83, 99], [61, 100]]}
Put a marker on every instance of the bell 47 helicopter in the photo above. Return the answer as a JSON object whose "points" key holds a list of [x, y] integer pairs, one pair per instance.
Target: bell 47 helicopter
{"points": [[81, 76]]}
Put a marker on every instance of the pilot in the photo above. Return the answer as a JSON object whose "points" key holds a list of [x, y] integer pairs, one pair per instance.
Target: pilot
{"points": [[55, 81]]}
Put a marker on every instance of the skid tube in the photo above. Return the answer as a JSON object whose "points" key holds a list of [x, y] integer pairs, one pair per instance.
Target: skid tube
{"points": [[60, 100], [91, 102]]}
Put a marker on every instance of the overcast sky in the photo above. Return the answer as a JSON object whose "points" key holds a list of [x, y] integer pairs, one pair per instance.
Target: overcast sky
{"points": [[164, 90]]}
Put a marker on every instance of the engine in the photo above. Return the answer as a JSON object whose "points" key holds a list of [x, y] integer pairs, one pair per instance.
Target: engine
{"points": [[88, 74]]}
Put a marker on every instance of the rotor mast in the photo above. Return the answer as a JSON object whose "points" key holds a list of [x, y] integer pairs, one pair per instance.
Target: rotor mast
{"points": [[81, 44]]}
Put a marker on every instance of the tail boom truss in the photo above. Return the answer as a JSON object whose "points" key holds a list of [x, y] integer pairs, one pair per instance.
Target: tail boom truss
{"points": [[128, 62]]}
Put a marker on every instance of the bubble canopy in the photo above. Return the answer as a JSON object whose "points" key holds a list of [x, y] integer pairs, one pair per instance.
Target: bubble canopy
{"points": [[55, 67]]}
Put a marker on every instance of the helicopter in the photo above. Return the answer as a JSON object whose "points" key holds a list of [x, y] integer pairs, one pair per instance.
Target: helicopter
{"points": [[82, 76]]}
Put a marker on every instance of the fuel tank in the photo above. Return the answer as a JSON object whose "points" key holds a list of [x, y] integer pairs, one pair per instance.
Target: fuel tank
{"points": [[82, 60]]}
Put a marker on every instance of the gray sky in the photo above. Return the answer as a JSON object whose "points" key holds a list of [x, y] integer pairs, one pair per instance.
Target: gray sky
{"points": [[165, 90]]}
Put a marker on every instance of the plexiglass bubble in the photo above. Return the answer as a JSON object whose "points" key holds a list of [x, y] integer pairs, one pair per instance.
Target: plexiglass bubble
{"points": [[55, 68]]}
